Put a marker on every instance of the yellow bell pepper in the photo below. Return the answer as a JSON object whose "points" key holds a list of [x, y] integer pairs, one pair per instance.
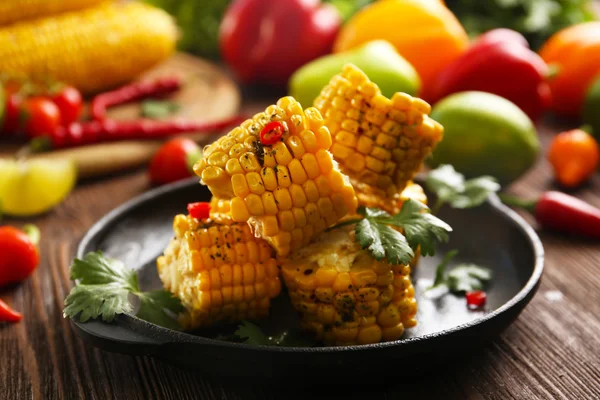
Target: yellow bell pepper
{"points": [[426, 33]]}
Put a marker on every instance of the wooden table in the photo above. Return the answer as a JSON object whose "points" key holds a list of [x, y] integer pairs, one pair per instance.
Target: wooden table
{"points": [[551, 352]]}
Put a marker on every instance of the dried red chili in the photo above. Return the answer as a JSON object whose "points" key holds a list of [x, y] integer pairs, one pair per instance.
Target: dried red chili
{"points": [[272, 133]]}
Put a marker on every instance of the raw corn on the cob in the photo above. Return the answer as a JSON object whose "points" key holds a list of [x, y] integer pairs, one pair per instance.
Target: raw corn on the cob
{"points": [[346, 297], [288, 191], [379, 143], [220, 271], [92, 49], [12, 11]]}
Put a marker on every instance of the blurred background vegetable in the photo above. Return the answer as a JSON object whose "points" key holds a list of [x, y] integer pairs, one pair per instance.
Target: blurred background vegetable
{"points": [[574, 156], [378, 59], [591, 108], [485, 134], [426, 33], [498, 62], [267, 40]]}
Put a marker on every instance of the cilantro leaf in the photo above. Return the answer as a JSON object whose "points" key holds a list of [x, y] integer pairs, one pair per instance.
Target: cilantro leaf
{"points": [[153, 305], [93, 301], [440, 271], [103, 289], [382, 241], [452, 188], [96, 269], [251, 333], [420, 227], [157, 109], [468, 277]]}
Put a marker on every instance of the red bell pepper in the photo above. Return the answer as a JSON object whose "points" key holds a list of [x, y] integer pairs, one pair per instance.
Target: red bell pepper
{"points": [[267, 40], [498, 62]]}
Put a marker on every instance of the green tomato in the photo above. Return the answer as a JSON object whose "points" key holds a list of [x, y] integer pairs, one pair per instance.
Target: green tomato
{"points": [[591, 108], [485, 134], [378, 59]]}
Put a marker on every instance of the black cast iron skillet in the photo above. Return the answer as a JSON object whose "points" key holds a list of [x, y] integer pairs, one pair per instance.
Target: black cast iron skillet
{"points": [[490, 235]]}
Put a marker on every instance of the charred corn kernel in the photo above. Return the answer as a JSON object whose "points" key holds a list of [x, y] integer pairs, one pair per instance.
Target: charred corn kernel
{"points": [[289, 191], [92, 49], [233, 274], [346, 297], [393, 136]]}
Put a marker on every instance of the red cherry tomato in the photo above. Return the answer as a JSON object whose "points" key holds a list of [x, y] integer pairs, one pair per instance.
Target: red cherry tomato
{"points": [[476, 299], [70, 103], [41, 116], [199, 210], [171, 162], [12, 113], [271, 133], [20, 256]]}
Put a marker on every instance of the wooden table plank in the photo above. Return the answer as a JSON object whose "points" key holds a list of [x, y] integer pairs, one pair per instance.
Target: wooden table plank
{"points": [[551, 351]]}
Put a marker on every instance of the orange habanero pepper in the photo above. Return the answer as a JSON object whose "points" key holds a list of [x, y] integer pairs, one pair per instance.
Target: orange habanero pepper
{"points": [[574, 155], [426, 33], [575, 53]]}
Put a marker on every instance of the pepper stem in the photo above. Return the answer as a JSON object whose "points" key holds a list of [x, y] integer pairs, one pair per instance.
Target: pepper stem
{"points": [[514, 201], [33, 232]]}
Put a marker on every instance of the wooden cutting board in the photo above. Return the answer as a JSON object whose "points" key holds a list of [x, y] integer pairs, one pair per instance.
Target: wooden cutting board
{"points": [[208, 94]]}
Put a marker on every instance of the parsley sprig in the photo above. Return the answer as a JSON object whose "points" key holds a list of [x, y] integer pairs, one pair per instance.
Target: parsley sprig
{"points": [[461, 279], [103, 289], [452, 188], [252, 334], [375, 232]]}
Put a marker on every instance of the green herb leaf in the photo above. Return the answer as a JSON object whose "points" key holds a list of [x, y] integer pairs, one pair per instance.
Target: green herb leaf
{"points": [[420, 227], [192, 158], [468, 277], [93, 301], [452, 188], [440, 271], [97, 269], [251, 334], [157, 109], [103, 291], [383, 241], [153, 305]]}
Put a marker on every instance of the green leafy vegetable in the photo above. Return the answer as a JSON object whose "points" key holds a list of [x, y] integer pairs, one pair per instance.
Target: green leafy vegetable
{"points": [[103, 291], [452, 188], [463, 278], [421, 229], [157, 109], [252, 334]]}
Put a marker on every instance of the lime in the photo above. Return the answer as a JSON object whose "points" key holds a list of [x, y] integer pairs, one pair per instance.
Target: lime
{"points": [[591, 108], [34, 186], [485, 134]]}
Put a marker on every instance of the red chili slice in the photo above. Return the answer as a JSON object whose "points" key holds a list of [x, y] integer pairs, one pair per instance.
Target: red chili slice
{"points": [[476, 299], [199, 210], [272, 133]]}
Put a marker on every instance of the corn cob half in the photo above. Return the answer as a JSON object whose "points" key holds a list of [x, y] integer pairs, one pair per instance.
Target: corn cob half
{"points": [[379, 143], [289, 191], [220, 271], [346, 297], [93, 49], [12, 11]]}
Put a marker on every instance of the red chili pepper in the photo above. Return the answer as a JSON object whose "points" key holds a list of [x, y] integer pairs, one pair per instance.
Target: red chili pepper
{"points": [[499, 62], [132, 92], [476, 299], [85, 133], [199, 210], [272, 133], [563, 213]]}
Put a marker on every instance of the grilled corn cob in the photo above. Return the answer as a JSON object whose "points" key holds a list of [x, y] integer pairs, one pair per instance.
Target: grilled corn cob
{"points": [[220, 271], [288, 191], [92, 49], [12, 11], [346, 297], [379, 143]]}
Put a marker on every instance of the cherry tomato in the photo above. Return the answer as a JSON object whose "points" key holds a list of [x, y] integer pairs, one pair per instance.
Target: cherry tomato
{"points": [[70, 104], [170, 163], [12, 112], [199, 210], [41, 115], [476, 299], [20, 256]]}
